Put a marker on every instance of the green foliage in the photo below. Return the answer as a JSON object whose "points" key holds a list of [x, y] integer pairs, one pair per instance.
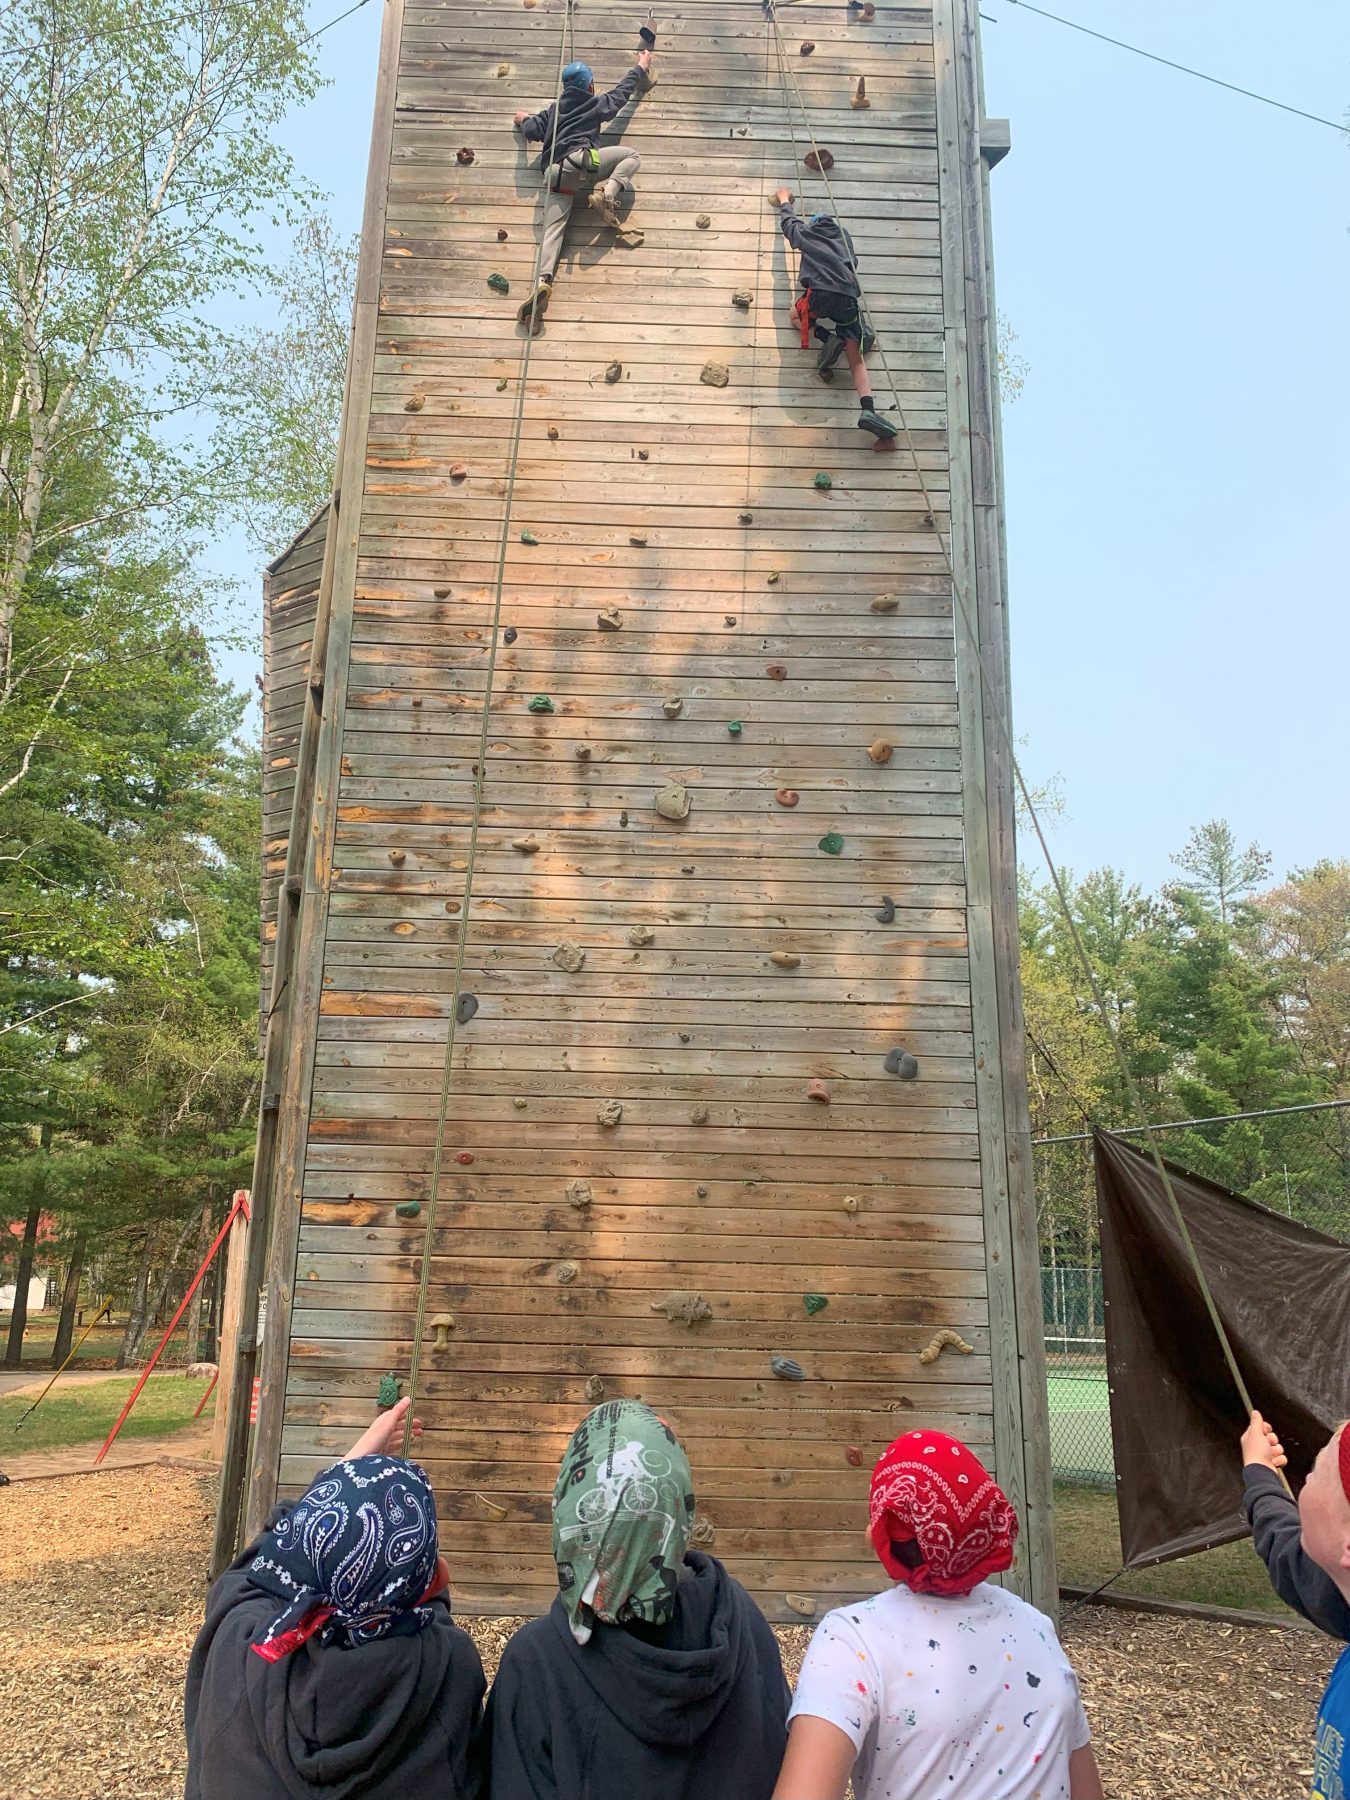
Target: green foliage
{"points": [[85, 1414]]}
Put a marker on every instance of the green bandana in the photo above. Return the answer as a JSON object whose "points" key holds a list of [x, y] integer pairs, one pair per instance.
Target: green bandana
{"points": [[622, 1512]]}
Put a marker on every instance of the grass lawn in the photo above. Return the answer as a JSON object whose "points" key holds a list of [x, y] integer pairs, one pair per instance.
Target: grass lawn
{"points": [[85, 1414], [101, 1345], [1087, 1544]]}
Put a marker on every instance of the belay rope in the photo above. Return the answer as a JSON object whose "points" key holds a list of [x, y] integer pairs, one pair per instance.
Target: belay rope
{"points": [[566, 47], [995, 705]]}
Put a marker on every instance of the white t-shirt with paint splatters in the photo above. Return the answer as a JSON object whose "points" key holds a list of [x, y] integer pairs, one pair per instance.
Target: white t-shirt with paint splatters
{"points": [[970, 1697]]}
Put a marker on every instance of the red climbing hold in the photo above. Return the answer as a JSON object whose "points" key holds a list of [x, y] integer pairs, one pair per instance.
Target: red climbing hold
{"points": [[786, 796], [853, 1456], [465, 1157], [817, 1090]]}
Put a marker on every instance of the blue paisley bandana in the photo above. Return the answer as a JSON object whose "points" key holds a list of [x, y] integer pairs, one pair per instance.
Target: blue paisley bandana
{"points": [[353, 1559]]}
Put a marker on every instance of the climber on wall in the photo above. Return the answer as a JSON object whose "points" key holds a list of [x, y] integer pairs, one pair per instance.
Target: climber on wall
{"points": [[574, 163], [828, 271]]}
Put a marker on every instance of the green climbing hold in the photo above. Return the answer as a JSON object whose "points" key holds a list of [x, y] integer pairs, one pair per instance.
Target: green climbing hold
{"points": [[735, 727], [815, 1303], [499, 284], [823, 481], [541, 703], [388, 1394], [528, 537], [408, 1209], [831, 843]]}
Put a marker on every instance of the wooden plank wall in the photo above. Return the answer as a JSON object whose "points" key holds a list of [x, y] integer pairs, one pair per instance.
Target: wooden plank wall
{"points": [[290, 596], [723, 1177]]}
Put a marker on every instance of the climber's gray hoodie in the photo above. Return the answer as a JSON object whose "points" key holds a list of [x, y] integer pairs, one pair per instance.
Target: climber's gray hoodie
{"points": [[396, 1719], [828, 261]]}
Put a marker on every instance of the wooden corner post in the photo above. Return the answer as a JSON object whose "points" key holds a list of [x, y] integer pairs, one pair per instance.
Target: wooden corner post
{"points": [[1021, 1416]]}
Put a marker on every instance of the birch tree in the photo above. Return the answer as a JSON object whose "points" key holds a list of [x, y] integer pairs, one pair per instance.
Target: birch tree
{"points": [[136, 167]]}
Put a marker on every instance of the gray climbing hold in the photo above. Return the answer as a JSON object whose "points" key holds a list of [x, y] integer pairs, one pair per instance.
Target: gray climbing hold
{"points": [[702, 1192], [745, 518], [673, 707], [698, 1115], [859, 101], [642, 455], [639, 936], [579, 1194], [702, 1532], [715, 374], [594, 1389], [565, 1272], [510, 635], [673, 801], [702, 222], [743, 298], [623, 820], [885, 913], [611, 619], [614, 372], [569, 957], [465, 1008], [786, 1369], [638, 539], [609, 1112], [519, 1102], [582, 753], [902, 1063], [683, 1307], [414, 403], [729, 620]]}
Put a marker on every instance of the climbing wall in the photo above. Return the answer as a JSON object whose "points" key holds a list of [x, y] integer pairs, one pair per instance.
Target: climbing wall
{"points": [[723, 1122]]}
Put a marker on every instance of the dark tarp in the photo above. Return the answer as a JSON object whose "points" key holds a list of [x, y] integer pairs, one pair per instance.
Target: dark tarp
{"points": [[1283, 1293]]}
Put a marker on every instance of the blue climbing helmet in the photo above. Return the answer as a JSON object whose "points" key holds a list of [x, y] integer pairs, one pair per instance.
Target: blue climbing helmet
{"points": [[577, 75], [822, 218]]}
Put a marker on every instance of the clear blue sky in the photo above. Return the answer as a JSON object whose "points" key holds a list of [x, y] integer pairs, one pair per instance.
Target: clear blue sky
{"points": [[1174, 260]]}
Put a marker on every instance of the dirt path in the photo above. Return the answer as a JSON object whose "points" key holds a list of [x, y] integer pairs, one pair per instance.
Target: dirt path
{"points": [[193, 1443], [104, 1577]]}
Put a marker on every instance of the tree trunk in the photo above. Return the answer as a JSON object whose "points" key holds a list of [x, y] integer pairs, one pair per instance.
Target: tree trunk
{"points": [[166, 1281], [70, 1300], [19, 1317], [194, 1311], [135, 1331]]}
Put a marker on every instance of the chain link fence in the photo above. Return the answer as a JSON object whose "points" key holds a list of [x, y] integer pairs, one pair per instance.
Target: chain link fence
{"points": [[1295, 1160]]}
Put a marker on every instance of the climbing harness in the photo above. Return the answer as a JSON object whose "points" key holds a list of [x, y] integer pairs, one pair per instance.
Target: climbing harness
{"points": [[565, 44], [996, 709]]}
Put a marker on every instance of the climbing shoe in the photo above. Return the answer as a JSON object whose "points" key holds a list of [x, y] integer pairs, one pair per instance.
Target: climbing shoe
{"points": [[605, 204], [829, 355], [530, 311], [879, 427]]}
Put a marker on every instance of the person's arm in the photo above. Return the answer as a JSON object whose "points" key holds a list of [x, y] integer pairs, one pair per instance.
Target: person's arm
{"points": [[534, 127], [1278, 1536], [787, 218], [1085, 1783], [818, 1763], [606, 105]]}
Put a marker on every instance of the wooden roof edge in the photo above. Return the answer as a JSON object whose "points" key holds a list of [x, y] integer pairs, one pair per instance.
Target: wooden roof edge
{"points": [[304, 531]]}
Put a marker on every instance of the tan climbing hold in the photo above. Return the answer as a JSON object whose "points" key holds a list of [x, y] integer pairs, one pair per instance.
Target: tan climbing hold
{"points": [[579, 1194], [880, 751], [702, 1532], [503, 69], [703, 221], [442, 1325], [715, 374], [519, 1102], [569, 957], [944, 1340], [594, 1389], [582, 753], [609, 1112], [851, 1203], [817, 1090], [801, 1603], [638, 539], [673, 801], [527, 846], [683, 1307], [491, 1509], [414, 403], [885, 603], [673, 707], [611, 619], [773, 578], [743, 298], [398, 858], [458, 472], [639, 936], [698, 1115], [632, 238], [441, 593], [614, 372], [554, 433], [785, 959], [860, 102], [786, 796], [565, 1272]]}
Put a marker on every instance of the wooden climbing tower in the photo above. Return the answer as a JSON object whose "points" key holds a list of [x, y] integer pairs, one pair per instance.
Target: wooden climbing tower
{"points": [[486, 942]]}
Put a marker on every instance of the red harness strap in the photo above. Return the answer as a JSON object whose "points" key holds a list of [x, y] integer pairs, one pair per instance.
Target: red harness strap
{"points": [[804, 317]]}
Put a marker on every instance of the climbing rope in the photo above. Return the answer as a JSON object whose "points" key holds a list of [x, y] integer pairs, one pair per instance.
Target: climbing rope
{"points": [[566, 52], [995, 706]]}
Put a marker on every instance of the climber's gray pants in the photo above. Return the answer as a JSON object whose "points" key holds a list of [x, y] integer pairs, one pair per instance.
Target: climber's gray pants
{"points": [[614, 165]]}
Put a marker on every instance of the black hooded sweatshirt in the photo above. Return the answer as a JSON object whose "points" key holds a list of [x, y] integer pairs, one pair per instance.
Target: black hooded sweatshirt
{"points": [[695, 1710], [829, 263], [1278, 1537], [580, 116], [396, 1719]]}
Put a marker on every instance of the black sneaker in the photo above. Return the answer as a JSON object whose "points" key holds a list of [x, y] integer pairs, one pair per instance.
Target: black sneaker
{"points": [[830, 354], [876, 425]]}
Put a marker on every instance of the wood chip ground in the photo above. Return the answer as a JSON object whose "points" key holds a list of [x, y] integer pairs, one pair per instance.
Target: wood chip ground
{"points": [[103, 1578]]}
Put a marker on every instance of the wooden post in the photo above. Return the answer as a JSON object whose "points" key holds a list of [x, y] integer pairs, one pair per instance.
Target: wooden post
{"points": [[236, 1258]]}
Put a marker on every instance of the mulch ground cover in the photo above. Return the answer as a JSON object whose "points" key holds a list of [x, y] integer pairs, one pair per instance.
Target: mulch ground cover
{"points": [[103, 1583]]}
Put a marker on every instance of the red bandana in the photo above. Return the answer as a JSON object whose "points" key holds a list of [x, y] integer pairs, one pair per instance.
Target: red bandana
{"points": [[928, 1488], [1343, 1455]]}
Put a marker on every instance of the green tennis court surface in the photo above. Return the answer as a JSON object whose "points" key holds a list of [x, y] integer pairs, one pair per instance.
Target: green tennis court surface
{"points": [[1080, 1426]]}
